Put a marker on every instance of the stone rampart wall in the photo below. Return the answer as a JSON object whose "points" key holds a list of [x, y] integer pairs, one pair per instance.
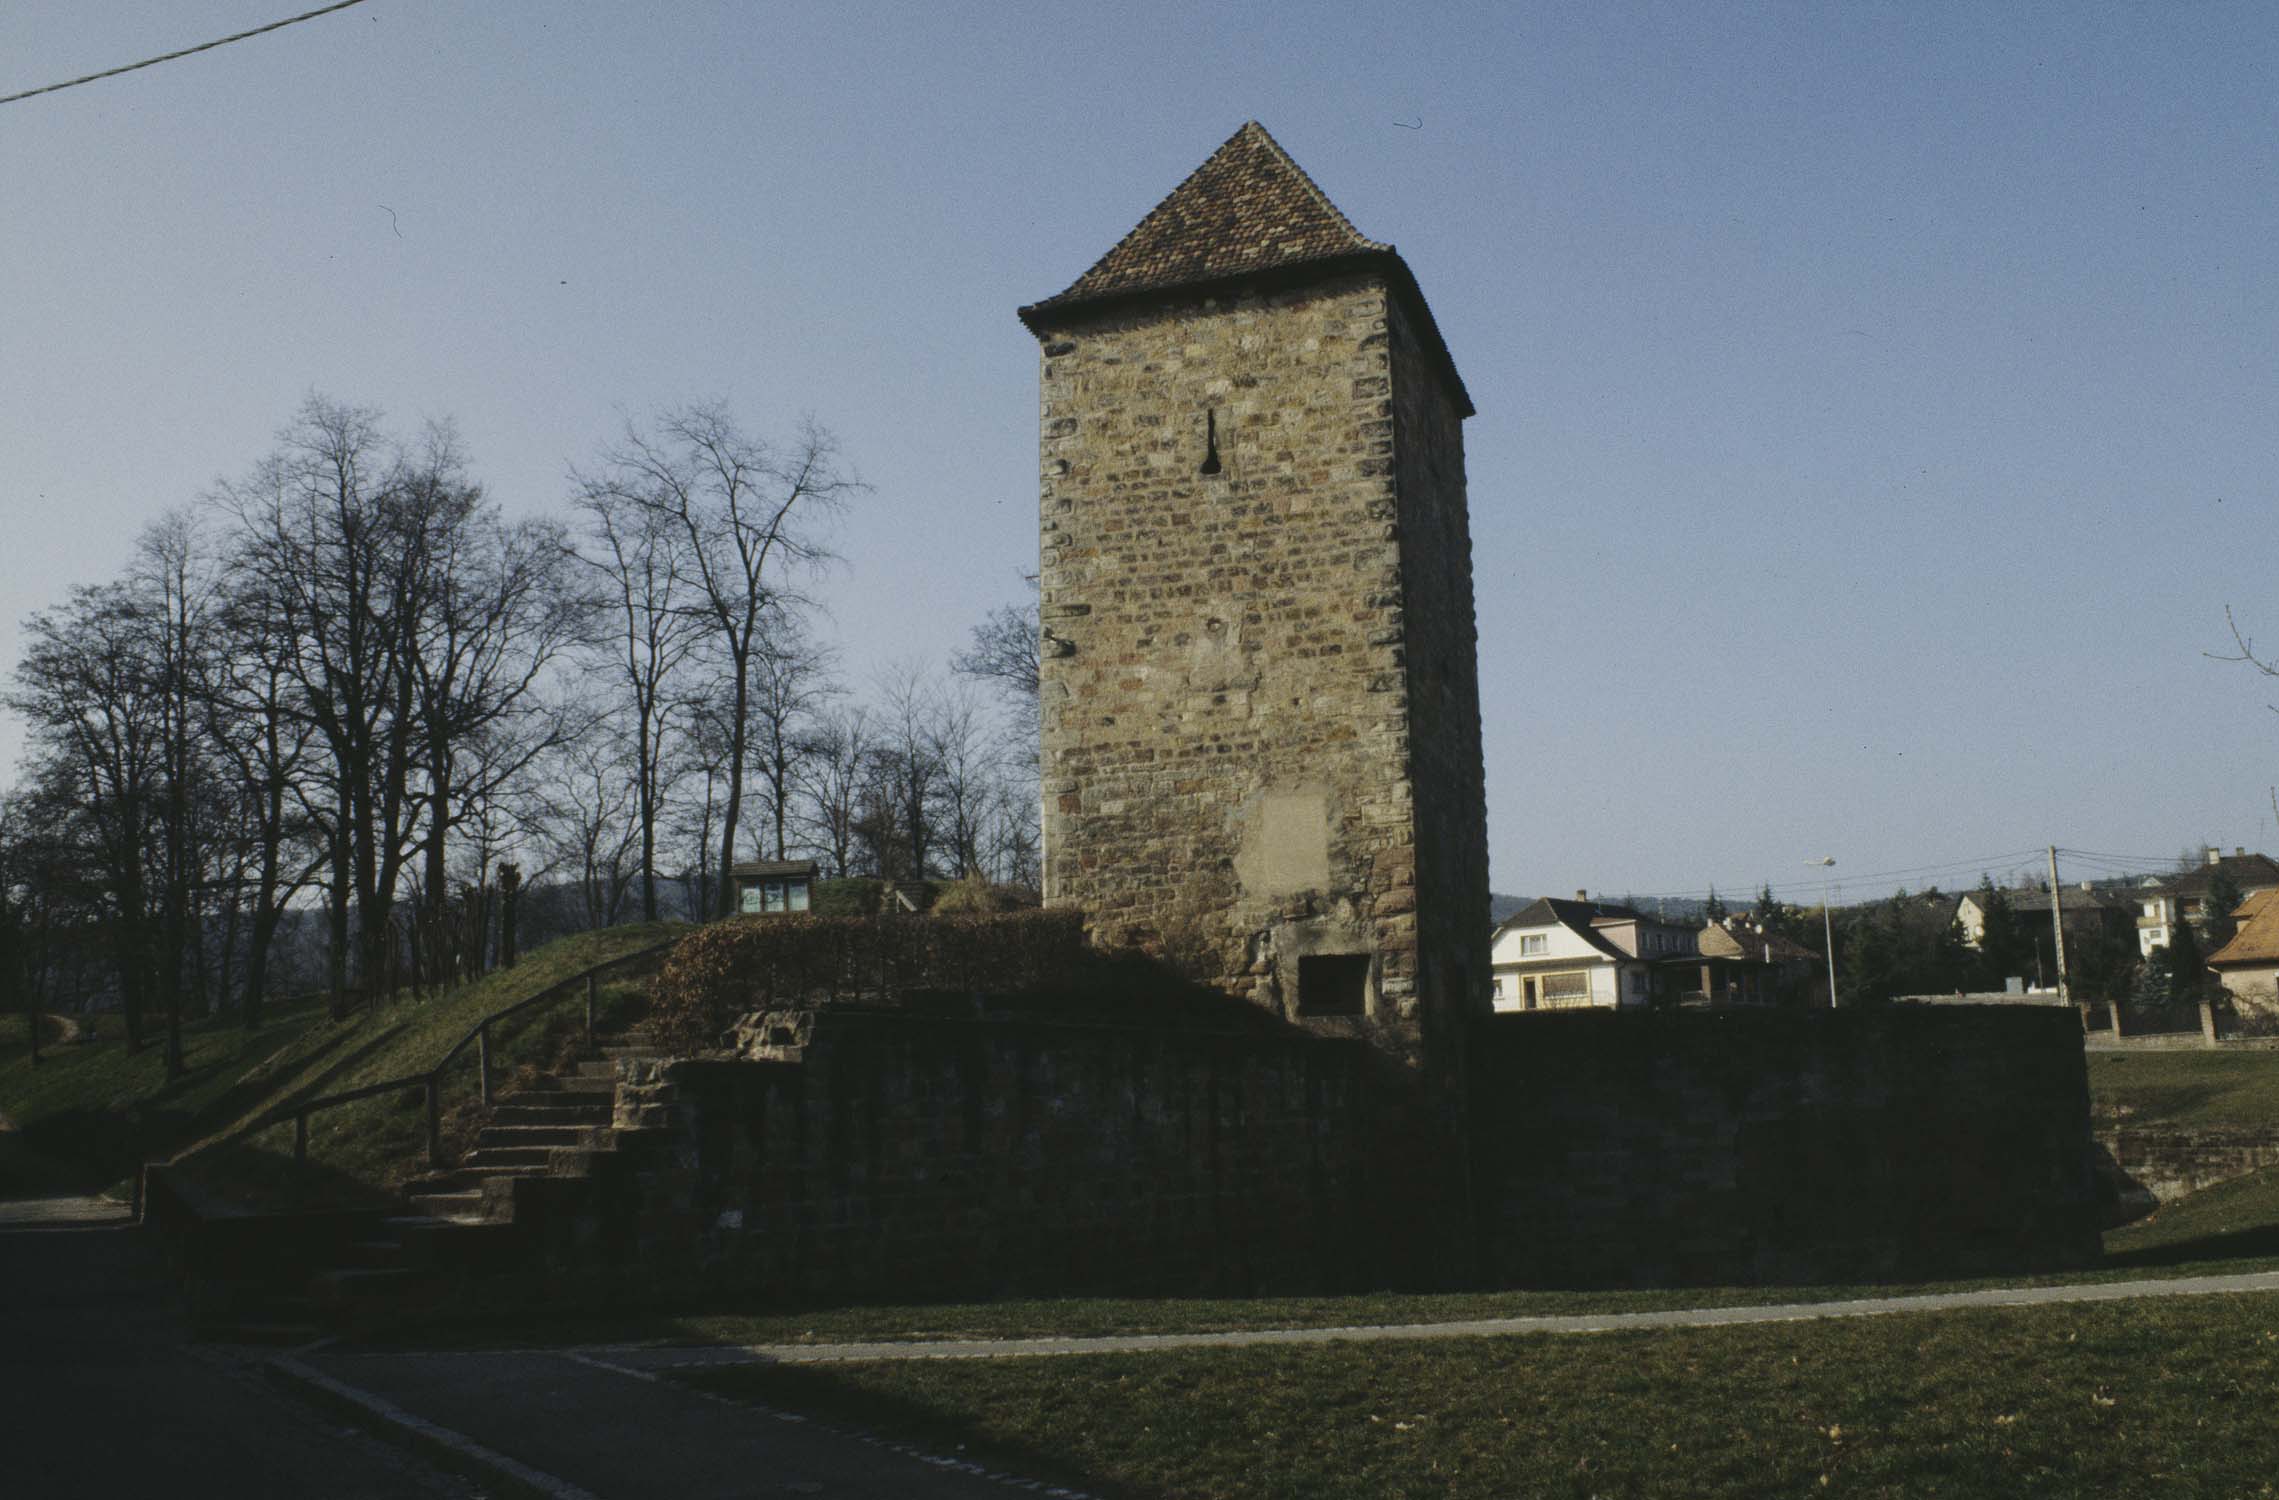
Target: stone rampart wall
{"points": [[908, 1157], [2154, 1164], [1782, 1147]]}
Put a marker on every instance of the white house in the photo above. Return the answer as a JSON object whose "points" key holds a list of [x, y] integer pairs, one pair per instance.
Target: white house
{"points": [[2185, 898], [1563, 955]]}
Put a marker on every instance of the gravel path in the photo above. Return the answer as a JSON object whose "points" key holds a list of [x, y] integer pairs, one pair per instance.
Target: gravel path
{"points": [[649, 1358]]}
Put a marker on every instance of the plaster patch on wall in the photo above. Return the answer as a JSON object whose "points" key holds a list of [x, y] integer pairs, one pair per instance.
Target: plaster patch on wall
{"points": [[1285, 843]]}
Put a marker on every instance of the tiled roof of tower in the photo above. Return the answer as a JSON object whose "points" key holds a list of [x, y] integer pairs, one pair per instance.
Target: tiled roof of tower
{"points": [[1248, 209]]}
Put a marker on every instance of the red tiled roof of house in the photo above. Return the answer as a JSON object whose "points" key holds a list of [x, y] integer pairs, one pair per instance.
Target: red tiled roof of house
{"points": [[2257, 940], [1248, 209], [1249, 212]]}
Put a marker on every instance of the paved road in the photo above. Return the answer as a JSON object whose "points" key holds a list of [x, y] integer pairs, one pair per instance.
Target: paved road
{"points": [[578, 1428], [102, 1395]]}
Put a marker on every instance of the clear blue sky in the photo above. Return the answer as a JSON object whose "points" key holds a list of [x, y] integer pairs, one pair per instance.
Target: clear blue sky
{"points": [[1878, 404]]}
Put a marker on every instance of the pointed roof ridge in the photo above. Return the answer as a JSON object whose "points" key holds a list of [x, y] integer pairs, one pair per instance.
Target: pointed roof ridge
{"points": [[1260, 135], [1248, 208]]}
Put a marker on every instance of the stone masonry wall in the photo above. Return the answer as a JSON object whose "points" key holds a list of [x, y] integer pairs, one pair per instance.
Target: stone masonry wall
{"points": [[1227, 774], [2148, 1165], [906, 1157], [1442, 643], [1782, 1147]]}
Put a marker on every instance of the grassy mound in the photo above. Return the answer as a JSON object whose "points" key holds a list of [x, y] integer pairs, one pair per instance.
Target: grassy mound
{"points": [[2186, 1089], [91, 1113]]}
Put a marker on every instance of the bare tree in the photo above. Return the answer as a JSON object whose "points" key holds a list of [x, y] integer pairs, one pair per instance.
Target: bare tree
{"points": [[411, 625], [589, 823], [342, 568], [643, 635], [906, 771], [15, 976], [967, 786], [500, 608], [791, 683], [741, 509], [86, 687], [178, 601], [264, 742], [834, 773], [1004, 654]]}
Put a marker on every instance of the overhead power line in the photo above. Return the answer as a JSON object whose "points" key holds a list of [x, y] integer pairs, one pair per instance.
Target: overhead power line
{"points": [[2101, 866], [152, 62], [1838, 876]]}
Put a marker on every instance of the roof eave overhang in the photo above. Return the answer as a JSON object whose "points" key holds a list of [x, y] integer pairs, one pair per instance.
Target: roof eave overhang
{"points": [[1056, 315]]}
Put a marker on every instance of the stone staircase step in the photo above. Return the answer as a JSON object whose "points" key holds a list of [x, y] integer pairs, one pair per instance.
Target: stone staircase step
{"points": [[551, 1125], [468, 1176], [490, 1161], [542, 1115], [460, 1206], [494, 1135], [557, 1092]]}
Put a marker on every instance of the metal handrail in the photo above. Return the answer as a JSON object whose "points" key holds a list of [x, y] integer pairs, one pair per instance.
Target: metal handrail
{"points": [[432, 1079]]}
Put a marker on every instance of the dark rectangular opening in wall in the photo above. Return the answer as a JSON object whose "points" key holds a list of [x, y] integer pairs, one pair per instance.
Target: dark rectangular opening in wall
{"points": [[1333, 984]]}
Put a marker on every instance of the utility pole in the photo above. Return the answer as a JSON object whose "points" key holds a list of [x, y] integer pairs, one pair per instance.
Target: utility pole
{"points": [[1828, 936], [1828, 926], [2057, 920]]}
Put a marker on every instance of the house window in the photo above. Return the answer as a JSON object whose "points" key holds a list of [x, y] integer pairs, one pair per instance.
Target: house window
{"points": [[1531, 945], [1566, 989], [1333, 984], [1637, 984]]}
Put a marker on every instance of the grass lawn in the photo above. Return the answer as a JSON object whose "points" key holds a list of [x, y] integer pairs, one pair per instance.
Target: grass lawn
{"points": [[99, 1111], [2169, 1398], [2234, 1219], [2185, 1088], [93, 1111]]}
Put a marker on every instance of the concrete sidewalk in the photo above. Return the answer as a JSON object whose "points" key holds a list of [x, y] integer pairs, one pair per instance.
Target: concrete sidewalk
{"points": [[571, 1426], [654, 1358]]}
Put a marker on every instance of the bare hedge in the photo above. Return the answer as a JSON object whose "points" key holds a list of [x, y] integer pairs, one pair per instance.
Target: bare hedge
{"points": [[742, 964]]}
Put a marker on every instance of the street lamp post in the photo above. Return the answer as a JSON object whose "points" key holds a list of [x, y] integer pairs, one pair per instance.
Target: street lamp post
{"points": [[1828, 928]]}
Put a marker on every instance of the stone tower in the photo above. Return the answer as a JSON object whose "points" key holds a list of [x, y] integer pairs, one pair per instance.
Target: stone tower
{"points": [[1261, 717]]}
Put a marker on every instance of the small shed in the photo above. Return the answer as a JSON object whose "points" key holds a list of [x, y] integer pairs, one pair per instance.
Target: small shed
{"points": [[771, 886]]}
